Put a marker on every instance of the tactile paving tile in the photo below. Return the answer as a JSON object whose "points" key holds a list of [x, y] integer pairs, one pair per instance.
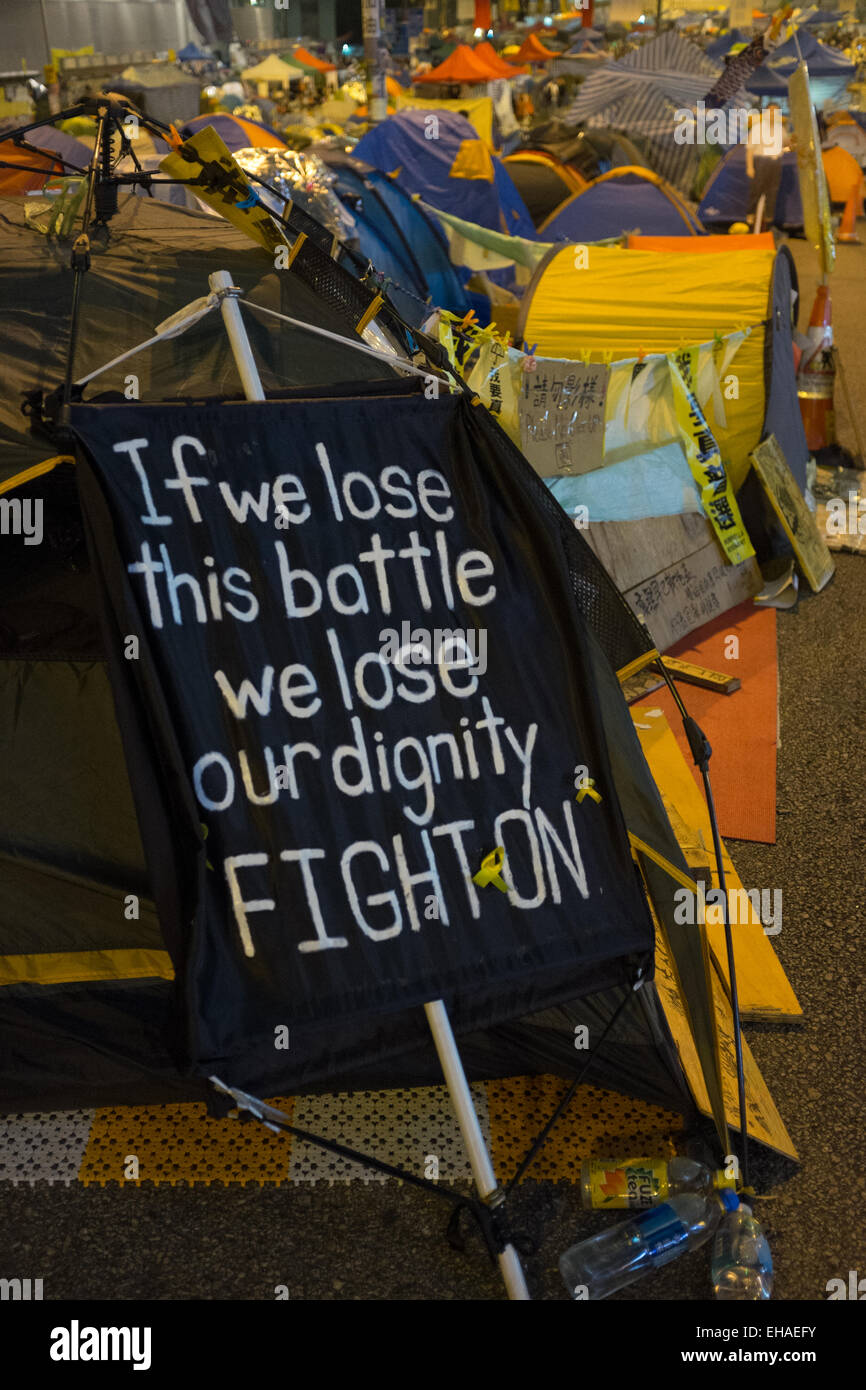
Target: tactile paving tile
{"points": [[596, 1123], [43, 1147], [408, 1128], [182, 1143]]}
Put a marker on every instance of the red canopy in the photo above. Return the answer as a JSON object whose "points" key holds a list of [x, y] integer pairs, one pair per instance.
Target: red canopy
{"points": [[463, 65], [532, 50], [303, 55], [487, 53]]}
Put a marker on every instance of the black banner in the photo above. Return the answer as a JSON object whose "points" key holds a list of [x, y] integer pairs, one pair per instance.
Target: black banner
{"points": [[350, 673]]}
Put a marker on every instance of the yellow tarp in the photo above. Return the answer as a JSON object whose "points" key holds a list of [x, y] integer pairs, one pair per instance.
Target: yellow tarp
{"points": [[604, 303], [478, 111]]}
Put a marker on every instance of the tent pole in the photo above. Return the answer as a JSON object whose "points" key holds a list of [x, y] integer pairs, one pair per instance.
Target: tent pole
{"points": [[470, 1129], [437, 1017], [221, 284]]}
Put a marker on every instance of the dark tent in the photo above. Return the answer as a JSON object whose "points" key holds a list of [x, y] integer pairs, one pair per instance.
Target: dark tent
{"points": [[623, 200], [87, 1005], [726, 195], [542, 181], [589, 152]]}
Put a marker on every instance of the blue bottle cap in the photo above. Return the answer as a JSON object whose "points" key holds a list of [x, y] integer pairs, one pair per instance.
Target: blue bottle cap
{"points": [[730, 1200]]}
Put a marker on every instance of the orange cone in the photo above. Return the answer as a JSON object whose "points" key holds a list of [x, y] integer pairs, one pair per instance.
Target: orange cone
{"points": [[817, 374], [848, 226]]}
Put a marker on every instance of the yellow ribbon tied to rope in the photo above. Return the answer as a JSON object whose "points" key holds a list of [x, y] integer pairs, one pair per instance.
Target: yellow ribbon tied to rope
{"points": [[491, 870]]}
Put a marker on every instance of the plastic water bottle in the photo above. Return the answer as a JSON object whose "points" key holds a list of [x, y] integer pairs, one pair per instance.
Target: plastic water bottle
{"points": [[611, 1184], [617, 1257], [742, 1266]]}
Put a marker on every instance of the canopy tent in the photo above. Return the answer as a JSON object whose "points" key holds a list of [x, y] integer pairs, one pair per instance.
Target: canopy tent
{"points": [[491, 59], [727, 194], [191, 53], [86, 997], [236, 132], [464, 66], [641, 94], [542, 181], [629, 302], [624, 200], [532, 50], [822, 61], [299, 67], [272, 70], [454, 172], [310, 60]]}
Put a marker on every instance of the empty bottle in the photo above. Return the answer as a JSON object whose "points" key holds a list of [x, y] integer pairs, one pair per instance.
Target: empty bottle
{"points": [[742, 1266], [610, 1184], [618, 1256]]}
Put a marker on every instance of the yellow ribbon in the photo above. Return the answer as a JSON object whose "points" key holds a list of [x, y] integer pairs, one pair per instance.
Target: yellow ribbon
{"points": [[587, 788], [491, 870]]}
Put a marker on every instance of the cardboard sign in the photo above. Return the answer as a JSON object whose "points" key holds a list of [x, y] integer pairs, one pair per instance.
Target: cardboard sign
{"points": [[789, 504], [561, 409]]}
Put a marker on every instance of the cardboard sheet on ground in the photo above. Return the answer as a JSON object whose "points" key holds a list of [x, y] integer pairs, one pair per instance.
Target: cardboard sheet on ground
{"points": [[764, 991], [743, 727]]}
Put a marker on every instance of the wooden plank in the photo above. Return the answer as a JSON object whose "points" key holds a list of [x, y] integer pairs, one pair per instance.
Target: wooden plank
{"points": [[789, 504], [672, 572], [702, 676], [765, 993], [763, 1120]]}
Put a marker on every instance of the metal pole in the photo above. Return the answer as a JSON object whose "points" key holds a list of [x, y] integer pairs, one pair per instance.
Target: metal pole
{"points": [[221, 283], [470, 1129], [377, 97]]}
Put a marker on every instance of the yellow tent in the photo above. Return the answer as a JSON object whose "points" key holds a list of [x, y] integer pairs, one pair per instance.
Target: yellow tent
{"points": [[602, 303], [478, 111]]}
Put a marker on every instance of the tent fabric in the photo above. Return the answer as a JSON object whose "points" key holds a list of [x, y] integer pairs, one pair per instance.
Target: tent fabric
{"points": [[271, 69], [705, 245], [532, 50], [726, 196], [844, 174], [236, 132], [724, 43], [464, 65], [821, 60], [400, 147], [623, 200], [477, 110], [192, 53], [310, 60], [157, 261], [399, 238], [542, 181], [491, 59], [632, 301], [640, 96]]}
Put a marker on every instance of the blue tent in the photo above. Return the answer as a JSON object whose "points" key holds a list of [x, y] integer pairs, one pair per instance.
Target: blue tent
{"points": [[628, 200], [403, 147], [726, 196], [398, 238], [822, 62], [191, 53], [236, 132], [725, 42], [823, 17]]}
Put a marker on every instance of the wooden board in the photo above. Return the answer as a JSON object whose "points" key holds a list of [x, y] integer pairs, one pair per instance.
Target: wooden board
{"points": [[789, 504], [765, 993], [671, 571], [763, 1121]]}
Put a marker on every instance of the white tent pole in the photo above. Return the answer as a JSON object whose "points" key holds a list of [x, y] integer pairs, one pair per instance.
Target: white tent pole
{"points": [[221, 284], [470, 1129], [437, 1015]]}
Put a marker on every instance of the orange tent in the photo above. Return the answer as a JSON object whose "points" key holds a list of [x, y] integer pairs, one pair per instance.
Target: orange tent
{"points": [[463, 65], [487, 53], [303, 55], [13, 182], [532, 50]]}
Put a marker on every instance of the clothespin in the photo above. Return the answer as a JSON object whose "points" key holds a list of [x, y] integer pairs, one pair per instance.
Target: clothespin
{"points": [[587, 788], [491, 870], [529, 363], [718, 340], [249, 202], [467, 320], [641, 354]]}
